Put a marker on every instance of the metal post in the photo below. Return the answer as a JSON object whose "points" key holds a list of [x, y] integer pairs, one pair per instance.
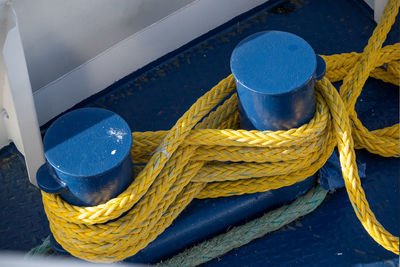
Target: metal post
{"points": [[88, 158], [275, 75]]}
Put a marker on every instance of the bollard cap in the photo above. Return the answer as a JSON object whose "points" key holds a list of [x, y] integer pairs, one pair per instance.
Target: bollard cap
{"points": [[273, 62], [87, 142]]}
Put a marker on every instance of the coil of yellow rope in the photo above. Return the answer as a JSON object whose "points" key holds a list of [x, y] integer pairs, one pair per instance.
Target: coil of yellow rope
{"points": [[187, 161]]}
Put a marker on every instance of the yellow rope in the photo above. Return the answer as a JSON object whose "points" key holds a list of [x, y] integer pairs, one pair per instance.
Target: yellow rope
{"points": [[188, 161]]}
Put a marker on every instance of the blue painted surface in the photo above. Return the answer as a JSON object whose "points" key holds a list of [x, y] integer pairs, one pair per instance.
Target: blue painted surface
{"points": [[88, 155], [273, 62], [155, 99]]}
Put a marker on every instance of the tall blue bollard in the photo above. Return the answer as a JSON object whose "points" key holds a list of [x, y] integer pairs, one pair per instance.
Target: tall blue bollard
{"points": [[88, 158], [275, 75]]}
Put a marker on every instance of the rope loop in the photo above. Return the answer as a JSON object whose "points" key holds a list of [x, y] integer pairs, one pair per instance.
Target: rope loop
{"points": [[189, 161]]}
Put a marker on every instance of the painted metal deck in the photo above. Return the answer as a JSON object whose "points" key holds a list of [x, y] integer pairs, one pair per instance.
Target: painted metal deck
{"points": [[156, 96]]}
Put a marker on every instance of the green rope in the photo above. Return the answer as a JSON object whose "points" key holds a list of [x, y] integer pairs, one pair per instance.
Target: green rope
{"points": [[244, 234], [237, 236], [41, 250]]}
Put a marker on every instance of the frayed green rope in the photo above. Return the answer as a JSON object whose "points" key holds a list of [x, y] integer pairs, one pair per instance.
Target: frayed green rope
{"points": [[237, 236], [41, 250], [244, 234]]}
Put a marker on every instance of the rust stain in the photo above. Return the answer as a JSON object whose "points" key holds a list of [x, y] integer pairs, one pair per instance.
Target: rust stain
{"points": [[188, 59], [144, 79], [161, 73], [291, 228], [101, 101], [5, 163], [263, 16], [254, 20], [175, 62], [297, 3], [224, 38], [241, 27], [360, 252]]}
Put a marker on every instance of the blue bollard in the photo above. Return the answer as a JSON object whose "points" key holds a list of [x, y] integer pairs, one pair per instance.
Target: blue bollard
{"points": [[88, 158], [275, 74]]}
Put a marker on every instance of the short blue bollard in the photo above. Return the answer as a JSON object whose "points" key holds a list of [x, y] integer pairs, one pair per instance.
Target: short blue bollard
{"points": [[275, 75], [88, 158]]}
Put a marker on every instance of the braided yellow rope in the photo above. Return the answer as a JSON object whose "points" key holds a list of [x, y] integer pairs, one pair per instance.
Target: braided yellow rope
{"points": [[188, 161]]}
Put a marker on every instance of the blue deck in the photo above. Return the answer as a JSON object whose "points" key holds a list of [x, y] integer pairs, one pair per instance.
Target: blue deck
{"points": [[156, 96]]}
